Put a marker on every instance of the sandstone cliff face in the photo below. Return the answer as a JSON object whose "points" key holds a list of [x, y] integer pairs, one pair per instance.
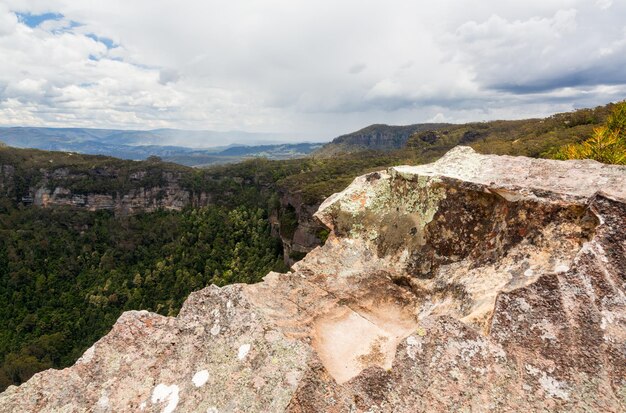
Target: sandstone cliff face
{"points": [[477, 283], [295, 224], [170, 195], [139, 197]]}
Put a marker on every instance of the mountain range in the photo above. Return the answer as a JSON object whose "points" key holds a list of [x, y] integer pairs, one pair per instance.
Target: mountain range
{"points": [[531, 137], [168, 144]]}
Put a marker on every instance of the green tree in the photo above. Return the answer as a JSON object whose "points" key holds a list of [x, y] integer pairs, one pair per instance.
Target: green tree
{"points": [[607, 143]]}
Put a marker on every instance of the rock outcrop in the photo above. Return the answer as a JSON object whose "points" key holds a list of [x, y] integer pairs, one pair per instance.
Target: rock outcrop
{"points": [[141, 191], [477, 283]]}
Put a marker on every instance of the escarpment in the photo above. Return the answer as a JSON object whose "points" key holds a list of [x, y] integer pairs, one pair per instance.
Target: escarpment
{"points": [[476, 283], [293, 221], [100, 189]]}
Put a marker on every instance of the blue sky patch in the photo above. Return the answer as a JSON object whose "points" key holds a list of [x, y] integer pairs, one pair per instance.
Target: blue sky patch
{"points": [[104, 40], [34, 20]]}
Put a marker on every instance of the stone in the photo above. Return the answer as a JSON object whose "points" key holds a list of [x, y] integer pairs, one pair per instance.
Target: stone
{"points": [[476, 283]]}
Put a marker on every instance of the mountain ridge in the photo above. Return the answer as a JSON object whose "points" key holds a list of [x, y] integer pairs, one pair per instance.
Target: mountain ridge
{"points": [[375, 137], [139, 145], [531, 137]]}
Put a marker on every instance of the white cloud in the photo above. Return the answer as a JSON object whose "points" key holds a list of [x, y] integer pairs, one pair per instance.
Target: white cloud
{"points": [[8, 21], [315, 68], [566, 49]]}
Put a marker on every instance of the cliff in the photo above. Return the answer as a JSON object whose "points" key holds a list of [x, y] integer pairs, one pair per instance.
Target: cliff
{"points": [[375, 137], [54, 187], [295, 224], [167, 193], [49, 179], [63, 179], [483, 283]]}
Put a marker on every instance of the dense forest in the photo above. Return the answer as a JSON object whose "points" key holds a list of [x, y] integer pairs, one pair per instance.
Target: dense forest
{"points": [[66, 274]]}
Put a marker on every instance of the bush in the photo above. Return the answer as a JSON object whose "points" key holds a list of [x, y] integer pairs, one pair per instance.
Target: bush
{"points": [[607, 144]]}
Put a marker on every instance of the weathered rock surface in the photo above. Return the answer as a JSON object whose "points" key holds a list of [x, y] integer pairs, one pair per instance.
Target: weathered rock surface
{"points": [[477, 283]]}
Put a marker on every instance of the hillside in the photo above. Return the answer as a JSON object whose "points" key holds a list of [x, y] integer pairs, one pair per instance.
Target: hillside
{"points": [[489, 282], [530, 137], [375, 137]]}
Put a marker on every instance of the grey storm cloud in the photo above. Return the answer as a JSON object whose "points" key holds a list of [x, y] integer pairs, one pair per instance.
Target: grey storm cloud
{"points": [[315, 68], [168, 76]]}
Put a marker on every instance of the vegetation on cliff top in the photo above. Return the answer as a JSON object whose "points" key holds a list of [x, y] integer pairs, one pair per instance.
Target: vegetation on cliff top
{"points": [[83, 174], [607, 143], [529, 137]]}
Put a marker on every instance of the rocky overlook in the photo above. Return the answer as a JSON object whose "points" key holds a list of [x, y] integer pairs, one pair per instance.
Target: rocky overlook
{"points": [[482, 283]]}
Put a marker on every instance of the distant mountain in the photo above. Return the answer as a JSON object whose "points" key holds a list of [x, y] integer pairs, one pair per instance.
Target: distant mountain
{"points": [[238, 153], [376, 137], [284, 150], [38, 136], [169, 144]]}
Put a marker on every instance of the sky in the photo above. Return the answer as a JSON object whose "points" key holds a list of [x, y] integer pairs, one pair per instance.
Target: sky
{"points": [[304, 69]]}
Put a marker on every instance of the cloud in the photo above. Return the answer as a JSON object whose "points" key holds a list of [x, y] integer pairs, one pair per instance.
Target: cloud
{"points": [[168, 76], [8, 21], [604, 4], [543, 53], [314, 68], [357, 68]]}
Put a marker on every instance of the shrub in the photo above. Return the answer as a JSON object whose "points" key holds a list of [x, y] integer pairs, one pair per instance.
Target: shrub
{"points": [[607, 143]]}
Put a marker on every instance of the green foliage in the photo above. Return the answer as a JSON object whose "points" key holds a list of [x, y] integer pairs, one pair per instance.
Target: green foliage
{"points": [[607, 143], [322, 234], [66, 275], [529, 137], [288, 222]]}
